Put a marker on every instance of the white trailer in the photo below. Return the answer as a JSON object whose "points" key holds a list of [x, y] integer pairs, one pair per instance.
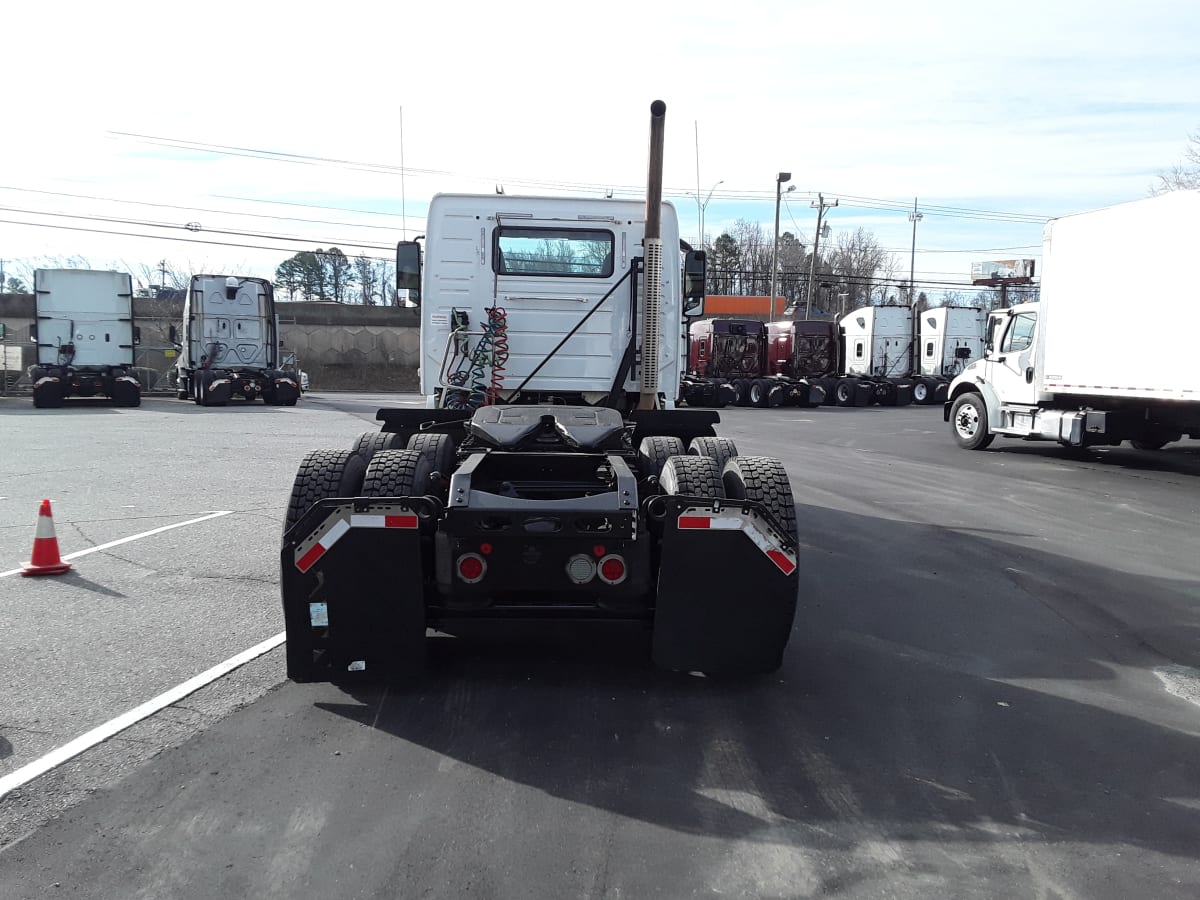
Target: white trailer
{"points": [[1079, 367], [85, 337], [531, 299], [230, 344]]}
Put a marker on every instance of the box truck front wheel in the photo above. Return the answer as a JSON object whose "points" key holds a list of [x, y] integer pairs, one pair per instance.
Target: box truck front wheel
{"points": [[968, 419]]}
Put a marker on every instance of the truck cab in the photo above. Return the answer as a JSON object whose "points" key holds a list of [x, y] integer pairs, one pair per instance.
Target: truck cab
{"points": [[230, 344], [541, 299]]}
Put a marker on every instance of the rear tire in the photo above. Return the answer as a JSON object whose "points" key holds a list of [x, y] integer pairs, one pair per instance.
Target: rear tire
{"points": [[125, 393], [654, 452], [692, 476], [48, 395], [921, 391], [398, 473], [844, 392], [1148, 445], [760, 393], [324, 474], [968, 422], [371, 442], [718, 448], [764, 479]]}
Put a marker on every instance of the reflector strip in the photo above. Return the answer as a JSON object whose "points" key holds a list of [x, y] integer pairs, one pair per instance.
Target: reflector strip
{"points": [[780, 559], [328, 539], [689, 521], [368, 521], [716, 523]]}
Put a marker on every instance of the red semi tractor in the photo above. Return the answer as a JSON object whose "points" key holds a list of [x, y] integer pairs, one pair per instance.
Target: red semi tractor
{"points": [[745, 362]]}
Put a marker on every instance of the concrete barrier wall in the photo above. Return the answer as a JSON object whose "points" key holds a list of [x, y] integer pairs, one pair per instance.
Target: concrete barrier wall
{"points": [[339, 345]]}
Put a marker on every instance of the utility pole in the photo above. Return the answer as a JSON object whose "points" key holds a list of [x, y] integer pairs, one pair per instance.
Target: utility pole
{"points": [[779, 182], [913, 217], [821, 206], [162, 281]]}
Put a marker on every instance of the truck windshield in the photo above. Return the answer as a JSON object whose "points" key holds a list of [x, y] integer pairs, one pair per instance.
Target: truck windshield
{"points": [[573, 252]]}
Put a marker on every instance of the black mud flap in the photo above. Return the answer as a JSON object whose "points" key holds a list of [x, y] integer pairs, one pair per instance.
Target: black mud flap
{"points": [[904, 391], [353, 575], [727, 585]]}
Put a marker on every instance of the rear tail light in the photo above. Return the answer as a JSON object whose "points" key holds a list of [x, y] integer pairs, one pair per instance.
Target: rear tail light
{"points": [[581, 568], [471, 568], [611, 569]]}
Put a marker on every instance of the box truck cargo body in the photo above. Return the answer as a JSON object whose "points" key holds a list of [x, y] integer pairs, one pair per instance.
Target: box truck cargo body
{"points": [[1105, 356]]}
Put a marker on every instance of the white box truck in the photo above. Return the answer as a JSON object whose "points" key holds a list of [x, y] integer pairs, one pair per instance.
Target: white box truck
{"points": [[230, 344], [1079, 367], [85, 337]]}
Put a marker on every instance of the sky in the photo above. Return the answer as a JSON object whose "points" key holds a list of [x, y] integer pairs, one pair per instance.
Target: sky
{"points": [[224, 137]]}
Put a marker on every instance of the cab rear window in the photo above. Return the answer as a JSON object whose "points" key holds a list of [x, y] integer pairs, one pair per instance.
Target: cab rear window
{"points": [[555, 252]]}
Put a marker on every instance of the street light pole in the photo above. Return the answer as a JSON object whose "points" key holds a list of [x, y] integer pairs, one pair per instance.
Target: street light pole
{"points": [[913, 217], [779, 181], [701, 207], [821, 206]]}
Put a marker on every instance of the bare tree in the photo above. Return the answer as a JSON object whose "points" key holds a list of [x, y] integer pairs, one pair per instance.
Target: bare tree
{"points": [[855, 260], [364, 271], [1185, 174]]}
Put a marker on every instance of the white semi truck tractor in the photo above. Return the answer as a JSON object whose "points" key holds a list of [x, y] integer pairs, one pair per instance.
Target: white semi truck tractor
{"points": [[550, 475], [1091, 363], [229, 349], [85, 337]]}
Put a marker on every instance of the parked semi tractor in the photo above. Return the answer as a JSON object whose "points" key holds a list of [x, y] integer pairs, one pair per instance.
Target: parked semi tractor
{"points": [[866, 358], [85, 337], [550, 475], [230, 344], [1075, 367]]}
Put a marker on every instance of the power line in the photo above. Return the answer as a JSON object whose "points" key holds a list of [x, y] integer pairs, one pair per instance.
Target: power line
{"points": [[389, 169], [203, 209], [164, 237]]}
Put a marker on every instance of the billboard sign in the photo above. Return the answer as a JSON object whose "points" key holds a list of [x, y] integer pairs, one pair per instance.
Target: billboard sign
{"points": [[1002, 268]]}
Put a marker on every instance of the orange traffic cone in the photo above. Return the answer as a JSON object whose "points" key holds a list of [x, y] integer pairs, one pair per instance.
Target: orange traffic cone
{"points": [[45, 559]]}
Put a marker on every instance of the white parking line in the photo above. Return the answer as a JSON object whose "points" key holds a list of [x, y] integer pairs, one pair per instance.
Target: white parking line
{"points": [[132, 537], [97, 735]]}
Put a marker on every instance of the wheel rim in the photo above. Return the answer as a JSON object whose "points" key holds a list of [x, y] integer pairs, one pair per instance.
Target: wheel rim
{"points": [[919, 392], [967, 421]]}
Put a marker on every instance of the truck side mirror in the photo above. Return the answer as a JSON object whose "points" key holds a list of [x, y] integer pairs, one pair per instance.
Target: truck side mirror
{"points": [[408, 270], [33, 332], [137, 335], [694, 272], [172, 334]]}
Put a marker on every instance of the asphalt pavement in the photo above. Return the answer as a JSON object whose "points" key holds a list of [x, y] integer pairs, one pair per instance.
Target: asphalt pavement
{"points": [[991, 688]]}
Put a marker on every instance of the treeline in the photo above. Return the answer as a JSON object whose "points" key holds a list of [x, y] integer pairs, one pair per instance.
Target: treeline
{"points": [[850, 269], [331, 276]]}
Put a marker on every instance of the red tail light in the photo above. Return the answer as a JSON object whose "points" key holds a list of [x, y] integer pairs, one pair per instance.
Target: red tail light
{"points": [[471, 568], [611, 569]]}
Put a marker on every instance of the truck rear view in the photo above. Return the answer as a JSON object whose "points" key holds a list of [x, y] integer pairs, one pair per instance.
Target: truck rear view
{"points": [[535, 487], [230, 344], [85, 337]]}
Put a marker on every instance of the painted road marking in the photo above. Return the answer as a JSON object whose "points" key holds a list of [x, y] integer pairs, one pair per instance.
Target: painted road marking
{"points": [[132, 537], [30, 771]]}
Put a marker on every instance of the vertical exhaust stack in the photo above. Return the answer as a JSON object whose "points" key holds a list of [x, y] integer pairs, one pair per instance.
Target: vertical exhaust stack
{"points": [[652, 248]]}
